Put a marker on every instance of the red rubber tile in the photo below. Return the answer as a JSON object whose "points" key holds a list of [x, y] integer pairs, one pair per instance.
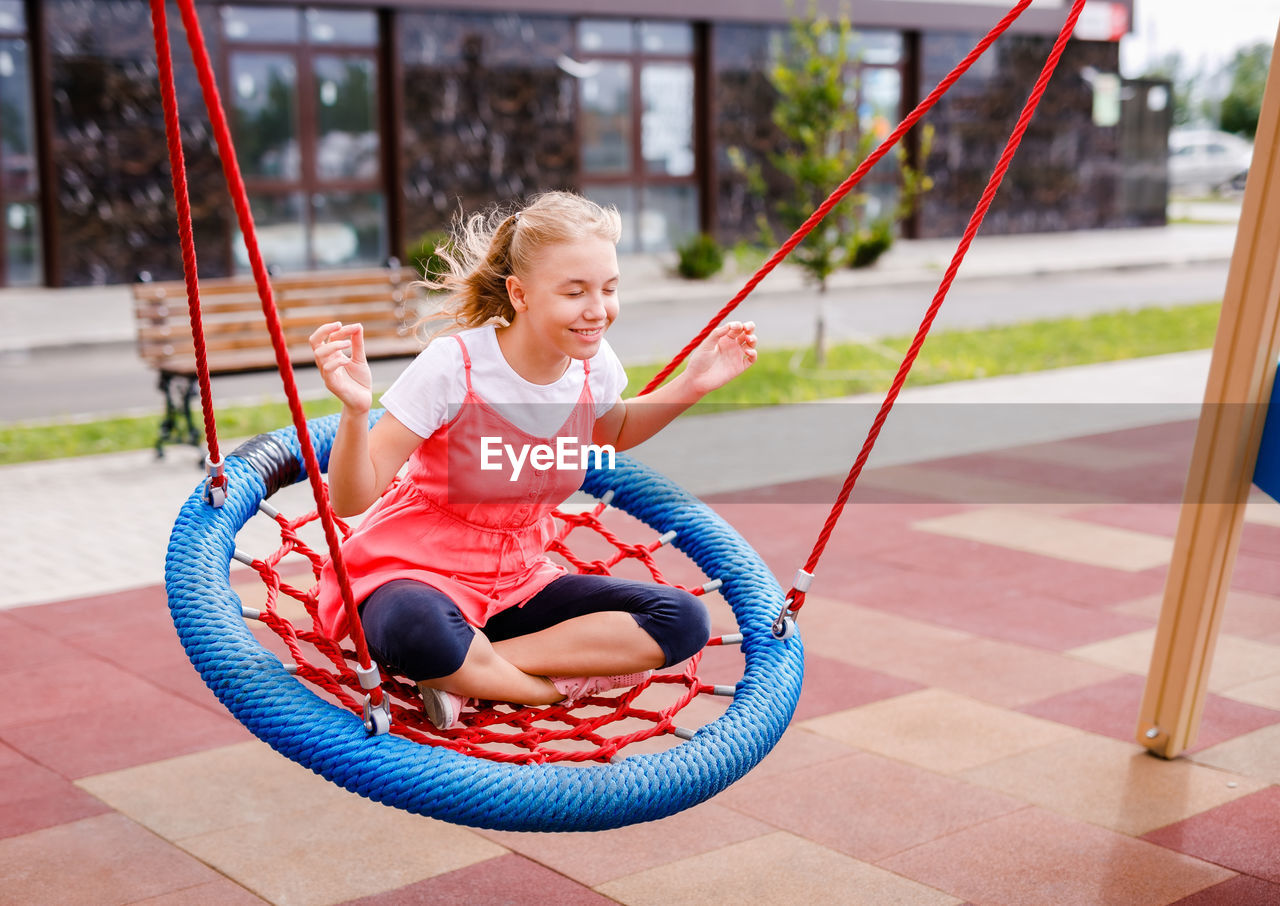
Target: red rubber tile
{"points": [[122, 734], [1256, 574], [137, 608], [891, 806], [104, 859], [33, 797], [26, 646], [831, 685], [992, 608], [1241, 890], [1153, 519], [1080, 583], [1037, 857], [511, 880], [1243, 835], [1111, 709]]}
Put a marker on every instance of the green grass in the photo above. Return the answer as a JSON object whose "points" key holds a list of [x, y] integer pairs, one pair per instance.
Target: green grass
{"points": [[787, 376], [779, 376]]}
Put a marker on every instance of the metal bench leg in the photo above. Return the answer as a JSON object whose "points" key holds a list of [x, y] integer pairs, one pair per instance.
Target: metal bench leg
{"points": [[179, 391]]}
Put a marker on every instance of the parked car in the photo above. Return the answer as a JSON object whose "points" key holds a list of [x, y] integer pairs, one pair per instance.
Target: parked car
{"points": [[1207, 159]]}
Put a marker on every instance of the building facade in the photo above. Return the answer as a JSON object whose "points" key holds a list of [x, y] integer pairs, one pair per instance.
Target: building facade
{"points": [[360, 126]]}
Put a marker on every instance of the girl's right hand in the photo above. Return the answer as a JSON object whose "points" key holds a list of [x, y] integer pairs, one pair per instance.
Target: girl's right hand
{"points": [[339, 352]]}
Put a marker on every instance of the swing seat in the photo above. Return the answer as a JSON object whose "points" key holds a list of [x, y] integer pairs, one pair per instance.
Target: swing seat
{"points": [[438, 781]]}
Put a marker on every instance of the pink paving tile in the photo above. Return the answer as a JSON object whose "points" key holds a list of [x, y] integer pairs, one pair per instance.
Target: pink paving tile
{"points": [[1256, 574], [1243, 835], [1034, 857], [1260, 540], [1151, 518], [152, 727], [1178, 437], [1241, 890], [1038, 483], [1080, 583], [33, 797], [143, 607], [68, 693], [990, 607], [26, 646], [511, 880], [956, 558], [1111, 709], [223, 892], [104, 859], [867, 806], [593, 859], [831, 685]]}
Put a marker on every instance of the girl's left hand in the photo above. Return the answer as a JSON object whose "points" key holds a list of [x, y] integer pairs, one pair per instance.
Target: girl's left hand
{"points": [[727, 351]]}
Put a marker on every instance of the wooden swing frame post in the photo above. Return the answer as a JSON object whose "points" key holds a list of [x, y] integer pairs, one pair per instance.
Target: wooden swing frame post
{"points": [[1241, 374]]}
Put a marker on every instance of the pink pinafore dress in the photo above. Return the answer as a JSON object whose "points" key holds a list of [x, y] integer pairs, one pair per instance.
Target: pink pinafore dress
{"points": [[472, 533]]}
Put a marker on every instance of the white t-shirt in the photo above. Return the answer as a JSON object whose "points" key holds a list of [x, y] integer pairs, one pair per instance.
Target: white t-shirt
{"points": [[429, 391]]}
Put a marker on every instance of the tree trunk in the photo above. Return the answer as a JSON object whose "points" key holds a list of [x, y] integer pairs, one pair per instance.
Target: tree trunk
{"points": [[820, 328]]}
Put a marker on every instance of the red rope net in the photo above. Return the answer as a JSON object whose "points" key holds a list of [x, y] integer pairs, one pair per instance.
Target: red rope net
{"points": [[593, 729]]}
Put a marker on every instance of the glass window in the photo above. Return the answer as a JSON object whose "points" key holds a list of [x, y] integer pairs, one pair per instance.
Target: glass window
{"points": [[263, 88], [606, 36], [606, 118], [669, 215], [666, 37], [281, 226], [878, 47], [261, 25], [880, 103], [666, 124], [22, 245], [17, 123], [624, 199], [349, 229], [13, 16], [356, 28], [347, 144]]}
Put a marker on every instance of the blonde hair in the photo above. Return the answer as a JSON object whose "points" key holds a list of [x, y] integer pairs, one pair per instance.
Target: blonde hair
{"points": [[485, 249]]}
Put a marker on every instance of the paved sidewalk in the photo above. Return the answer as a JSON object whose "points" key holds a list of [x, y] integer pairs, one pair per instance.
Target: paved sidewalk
{"points": [[103, 314]]}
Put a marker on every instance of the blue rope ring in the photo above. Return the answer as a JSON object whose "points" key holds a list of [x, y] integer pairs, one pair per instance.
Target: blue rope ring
{"points": [[440, 782]]}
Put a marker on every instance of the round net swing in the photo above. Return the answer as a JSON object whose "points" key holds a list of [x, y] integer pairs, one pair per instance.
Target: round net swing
{"points": [[596, 765]]}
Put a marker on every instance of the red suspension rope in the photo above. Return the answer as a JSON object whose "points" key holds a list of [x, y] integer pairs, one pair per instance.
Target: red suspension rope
{"points": [[178, 170], [240, 199], [796, 596]]}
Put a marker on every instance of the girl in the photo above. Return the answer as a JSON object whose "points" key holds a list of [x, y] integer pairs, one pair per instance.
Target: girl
{"points": [[456, 590]]}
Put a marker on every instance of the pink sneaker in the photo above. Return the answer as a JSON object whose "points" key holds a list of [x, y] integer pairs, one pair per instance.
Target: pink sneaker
{"points": [[576, 687], [444, 709]]}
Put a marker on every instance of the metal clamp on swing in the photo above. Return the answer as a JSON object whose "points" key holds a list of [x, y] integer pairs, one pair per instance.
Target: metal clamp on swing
{"points": [[215, 490], [784, 627], [377, 718]]}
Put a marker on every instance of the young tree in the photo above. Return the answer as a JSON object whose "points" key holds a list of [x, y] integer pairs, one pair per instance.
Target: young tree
{"points": [[1243, 103], [815, 78]]}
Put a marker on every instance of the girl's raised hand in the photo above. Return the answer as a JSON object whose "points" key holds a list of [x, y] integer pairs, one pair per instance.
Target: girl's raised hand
{"points": [[727, 351], [339, 352]]}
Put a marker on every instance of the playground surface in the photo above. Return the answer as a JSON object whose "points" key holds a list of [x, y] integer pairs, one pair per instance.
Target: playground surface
{"points": [[976, 644]]}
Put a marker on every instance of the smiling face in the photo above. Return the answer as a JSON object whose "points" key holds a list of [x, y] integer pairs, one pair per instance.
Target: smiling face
{"points": [[565, 302]]}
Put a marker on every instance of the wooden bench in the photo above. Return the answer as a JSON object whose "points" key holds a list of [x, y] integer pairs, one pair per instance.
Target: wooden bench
{"points": [[236, 335]]}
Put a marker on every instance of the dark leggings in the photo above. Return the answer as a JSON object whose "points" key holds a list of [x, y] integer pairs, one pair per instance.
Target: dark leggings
{"points": [[417, 630]]}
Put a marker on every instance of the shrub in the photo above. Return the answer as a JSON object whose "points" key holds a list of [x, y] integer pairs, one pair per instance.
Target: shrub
{"points": [[422, 253], [700, 257], [869, 243]]}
